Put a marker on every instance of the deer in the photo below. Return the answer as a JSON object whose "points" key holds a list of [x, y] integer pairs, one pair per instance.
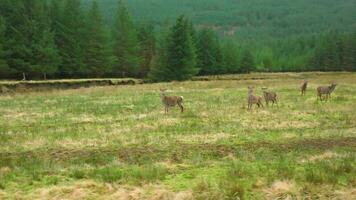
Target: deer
{"points": [[253, 99], [269, 96], [171, 101], [325, 90], [304, 87]]}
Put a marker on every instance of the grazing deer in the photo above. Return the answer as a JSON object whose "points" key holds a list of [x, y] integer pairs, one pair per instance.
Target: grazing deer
{"points": [[269, 96], [326, 90], [253, 99], [304, 87], [171, 101]]}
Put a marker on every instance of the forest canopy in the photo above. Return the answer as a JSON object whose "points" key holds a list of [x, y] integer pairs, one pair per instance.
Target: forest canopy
{"points": [[173, 39]]}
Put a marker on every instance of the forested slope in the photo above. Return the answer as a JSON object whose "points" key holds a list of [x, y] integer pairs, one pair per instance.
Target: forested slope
{"points": [[254, 19], [173, 39]]}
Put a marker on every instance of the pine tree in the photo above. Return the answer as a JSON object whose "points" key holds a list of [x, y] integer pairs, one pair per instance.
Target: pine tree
{"points": [[147, 42], [45, 52], [353, 50], [4, 67], [126, 49], [247, 62], [230, 60], [181, 54], [209, 53], [19, 15], [97, 53], [159, 70], [70, 39]]}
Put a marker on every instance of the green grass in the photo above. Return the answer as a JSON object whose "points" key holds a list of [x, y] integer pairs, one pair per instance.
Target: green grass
{"points": [[106, 142]]}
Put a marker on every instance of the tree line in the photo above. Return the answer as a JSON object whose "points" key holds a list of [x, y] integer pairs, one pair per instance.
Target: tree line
{"points": [[42, 39]]}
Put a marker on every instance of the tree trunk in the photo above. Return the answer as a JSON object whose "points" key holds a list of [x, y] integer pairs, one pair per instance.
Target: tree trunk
{"points": [[24, 76], [44, 76]]}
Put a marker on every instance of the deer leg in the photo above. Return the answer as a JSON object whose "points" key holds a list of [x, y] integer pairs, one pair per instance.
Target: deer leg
{"points": [[181, 108]]}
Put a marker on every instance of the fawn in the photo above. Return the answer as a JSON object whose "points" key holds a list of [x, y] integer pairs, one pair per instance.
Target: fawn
{"points": [[269, 96], [326, 90], [171, 101], [253, 99], [304, 87]]}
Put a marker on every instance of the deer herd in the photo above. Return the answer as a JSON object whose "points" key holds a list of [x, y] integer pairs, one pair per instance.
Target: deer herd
{"points": [[323, 93]]}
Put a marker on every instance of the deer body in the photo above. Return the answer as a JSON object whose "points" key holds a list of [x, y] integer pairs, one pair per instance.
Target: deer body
{"points": [[253, 99], [269, 96], [304, 87], [325, 90], [171, 101]]}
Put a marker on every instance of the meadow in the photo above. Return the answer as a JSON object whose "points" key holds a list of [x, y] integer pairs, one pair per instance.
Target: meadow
{"points": [[115, 142]]}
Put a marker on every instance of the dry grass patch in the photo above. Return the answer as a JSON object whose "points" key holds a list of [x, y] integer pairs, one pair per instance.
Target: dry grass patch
{"points": [[203, 138], [282, 190], [324, 156], [92, 190]]}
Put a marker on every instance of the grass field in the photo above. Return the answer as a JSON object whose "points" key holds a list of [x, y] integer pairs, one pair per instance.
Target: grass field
{"points": [[116, 143]]}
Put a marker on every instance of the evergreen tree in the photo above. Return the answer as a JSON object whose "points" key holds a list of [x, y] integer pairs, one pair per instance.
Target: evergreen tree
{"points": [[126, 49], [230, 61], [181, 54], [4, 67], [209, 53], [20, 19], [159, 69], [45, 53], [97, 54], [70, 39], [147, 42], [353, 50], [247, 63]]}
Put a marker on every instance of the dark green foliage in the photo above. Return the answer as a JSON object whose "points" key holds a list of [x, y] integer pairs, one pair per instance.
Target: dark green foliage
{"points": [[181, 56], [230, 57], [147, 40], [97, 52], [45, 53], [334, 52], [4, 67], [28, 38], [209, 53], [70, 38], [126, 46], [247, 63]]}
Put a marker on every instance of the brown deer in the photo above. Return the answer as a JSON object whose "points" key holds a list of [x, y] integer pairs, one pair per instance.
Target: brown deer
{"points": [[325, 90], [171, 101], [253, 99], [269, 96], [304, 87]]}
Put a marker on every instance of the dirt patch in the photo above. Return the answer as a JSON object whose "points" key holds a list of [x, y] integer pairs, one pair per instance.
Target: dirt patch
{"points": [[29, 86]]}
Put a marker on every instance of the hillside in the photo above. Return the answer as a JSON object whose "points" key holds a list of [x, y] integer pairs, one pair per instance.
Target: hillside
{"points": [[247, 18]]}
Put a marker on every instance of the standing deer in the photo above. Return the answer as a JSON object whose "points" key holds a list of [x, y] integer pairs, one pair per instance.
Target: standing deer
{"points": [[253, 99], [326, 90], [269, 96], [304, 87], [171, 101]]}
